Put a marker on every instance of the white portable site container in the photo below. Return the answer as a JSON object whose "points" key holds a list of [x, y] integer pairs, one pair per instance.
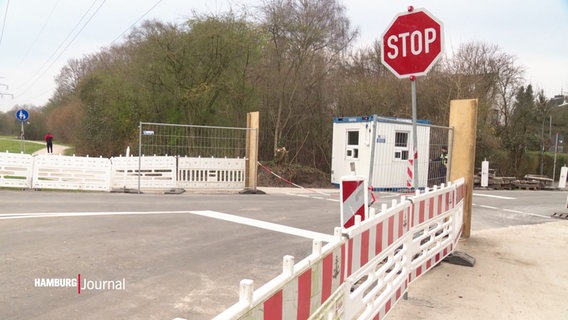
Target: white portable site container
{"points": [[379, 149]]}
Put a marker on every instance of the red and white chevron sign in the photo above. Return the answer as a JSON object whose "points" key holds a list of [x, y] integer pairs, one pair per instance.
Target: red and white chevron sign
{"points": [[354, 200]]}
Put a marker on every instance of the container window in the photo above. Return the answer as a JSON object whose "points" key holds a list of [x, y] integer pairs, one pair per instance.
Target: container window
{"points": [[401, 139], [353, 138]]}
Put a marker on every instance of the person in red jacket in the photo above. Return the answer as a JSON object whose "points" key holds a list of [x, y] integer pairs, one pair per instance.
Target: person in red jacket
{"points": [[49, 140]]}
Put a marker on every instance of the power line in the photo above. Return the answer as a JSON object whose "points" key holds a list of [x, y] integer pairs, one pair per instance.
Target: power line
{"points": [[70, 38], [136, 22], [4, 22], [54, 60], [42, 29]]}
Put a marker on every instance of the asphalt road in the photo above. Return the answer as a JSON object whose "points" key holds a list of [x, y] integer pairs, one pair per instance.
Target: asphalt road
{"points": [[183, 255]]}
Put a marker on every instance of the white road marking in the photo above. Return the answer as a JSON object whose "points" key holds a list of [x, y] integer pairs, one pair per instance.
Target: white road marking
{"points": [[205, 213], [299, 195], [529, 213], [266, 225], [513, 211], [493, 196], [307, 196]]}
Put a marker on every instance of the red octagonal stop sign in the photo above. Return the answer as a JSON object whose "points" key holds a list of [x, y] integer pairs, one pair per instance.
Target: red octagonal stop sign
{"points": [[412, 43]]}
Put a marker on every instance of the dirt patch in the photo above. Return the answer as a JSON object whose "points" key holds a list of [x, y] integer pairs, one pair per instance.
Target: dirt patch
{"points": [[306, 177]]}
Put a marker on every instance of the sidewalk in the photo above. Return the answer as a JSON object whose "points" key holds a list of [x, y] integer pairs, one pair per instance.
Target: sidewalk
{"points": [[520, 273], [57, 149]]}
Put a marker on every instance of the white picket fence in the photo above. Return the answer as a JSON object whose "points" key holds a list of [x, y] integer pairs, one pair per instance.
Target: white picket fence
{"points": [[103, 174]]}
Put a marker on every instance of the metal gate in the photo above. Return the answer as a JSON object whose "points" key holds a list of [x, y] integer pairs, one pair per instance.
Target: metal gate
{"points": [[205, 156]]}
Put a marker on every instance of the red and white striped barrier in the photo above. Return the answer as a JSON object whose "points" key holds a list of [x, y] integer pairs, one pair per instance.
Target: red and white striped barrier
{"points": [[367, 240], [354, 199], [299, 291], [410, 170], [370, 266]]}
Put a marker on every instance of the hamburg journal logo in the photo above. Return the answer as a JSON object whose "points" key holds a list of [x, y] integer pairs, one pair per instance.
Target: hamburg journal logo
{"points": [[81, 284]]}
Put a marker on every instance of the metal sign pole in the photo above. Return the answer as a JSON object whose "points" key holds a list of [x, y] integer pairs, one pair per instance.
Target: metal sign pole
{"points": [[414, 132], [373, 130], [22, 144]]}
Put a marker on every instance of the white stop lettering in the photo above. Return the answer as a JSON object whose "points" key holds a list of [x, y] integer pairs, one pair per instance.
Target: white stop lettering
{"points": [[418, 42]]}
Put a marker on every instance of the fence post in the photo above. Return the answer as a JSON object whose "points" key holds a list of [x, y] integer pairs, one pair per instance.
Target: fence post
{"points": [[252, 151], [463, 118]]}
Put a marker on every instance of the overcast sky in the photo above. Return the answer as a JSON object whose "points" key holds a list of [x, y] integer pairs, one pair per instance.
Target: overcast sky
{"points": [[39, 36]]}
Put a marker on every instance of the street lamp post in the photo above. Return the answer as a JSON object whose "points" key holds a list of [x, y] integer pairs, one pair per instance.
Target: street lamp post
{"points": [[555, 154], [564, 104]]}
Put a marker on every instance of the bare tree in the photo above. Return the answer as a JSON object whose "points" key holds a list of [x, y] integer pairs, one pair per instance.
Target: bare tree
{"points": [[306, 40], [483, 71]]}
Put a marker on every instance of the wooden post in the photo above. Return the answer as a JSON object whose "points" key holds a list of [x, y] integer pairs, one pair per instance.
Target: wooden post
{"points": [[253, 124], [463, 118]]}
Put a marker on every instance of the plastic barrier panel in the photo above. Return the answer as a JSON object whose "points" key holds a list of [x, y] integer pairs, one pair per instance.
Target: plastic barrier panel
{"points": [[16, 170], [156, 172], [210, 173], [71, 173]]}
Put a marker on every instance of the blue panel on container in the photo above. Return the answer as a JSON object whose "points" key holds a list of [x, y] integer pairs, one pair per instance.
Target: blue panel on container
{"points": [[371, 118]]}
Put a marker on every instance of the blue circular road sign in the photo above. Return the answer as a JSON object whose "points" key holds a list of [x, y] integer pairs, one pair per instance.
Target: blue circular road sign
{"points": [[22, 115]]}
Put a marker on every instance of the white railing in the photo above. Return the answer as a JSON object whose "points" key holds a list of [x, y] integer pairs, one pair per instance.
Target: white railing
{"points": [[19, 170], [366, 270]]}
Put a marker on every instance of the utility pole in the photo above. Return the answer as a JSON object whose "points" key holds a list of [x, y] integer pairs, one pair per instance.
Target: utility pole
{"points": [[2, 94]]}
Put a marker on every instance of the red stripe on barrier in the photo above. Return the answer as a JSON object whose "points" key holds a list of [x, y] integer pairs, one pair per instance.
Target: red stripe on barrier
{"points": [[379, 238], [349, 222], [440, 206], [388, 306], [360, 212], [327, 270], [431, 209], [391, 231], [428, 264], [273, 307], [398, 293], [400, 224], [349, 187], [364, 248], [422, 211], [418, 271], [304, 294]]}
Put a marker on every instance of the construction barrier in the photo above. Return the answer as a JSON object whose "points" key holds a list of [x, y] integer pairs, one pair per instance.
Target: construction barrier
{"points": [[18, 170], [71, 173], [369, 266], [194, 173], [354, 199], [157, 172]]}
